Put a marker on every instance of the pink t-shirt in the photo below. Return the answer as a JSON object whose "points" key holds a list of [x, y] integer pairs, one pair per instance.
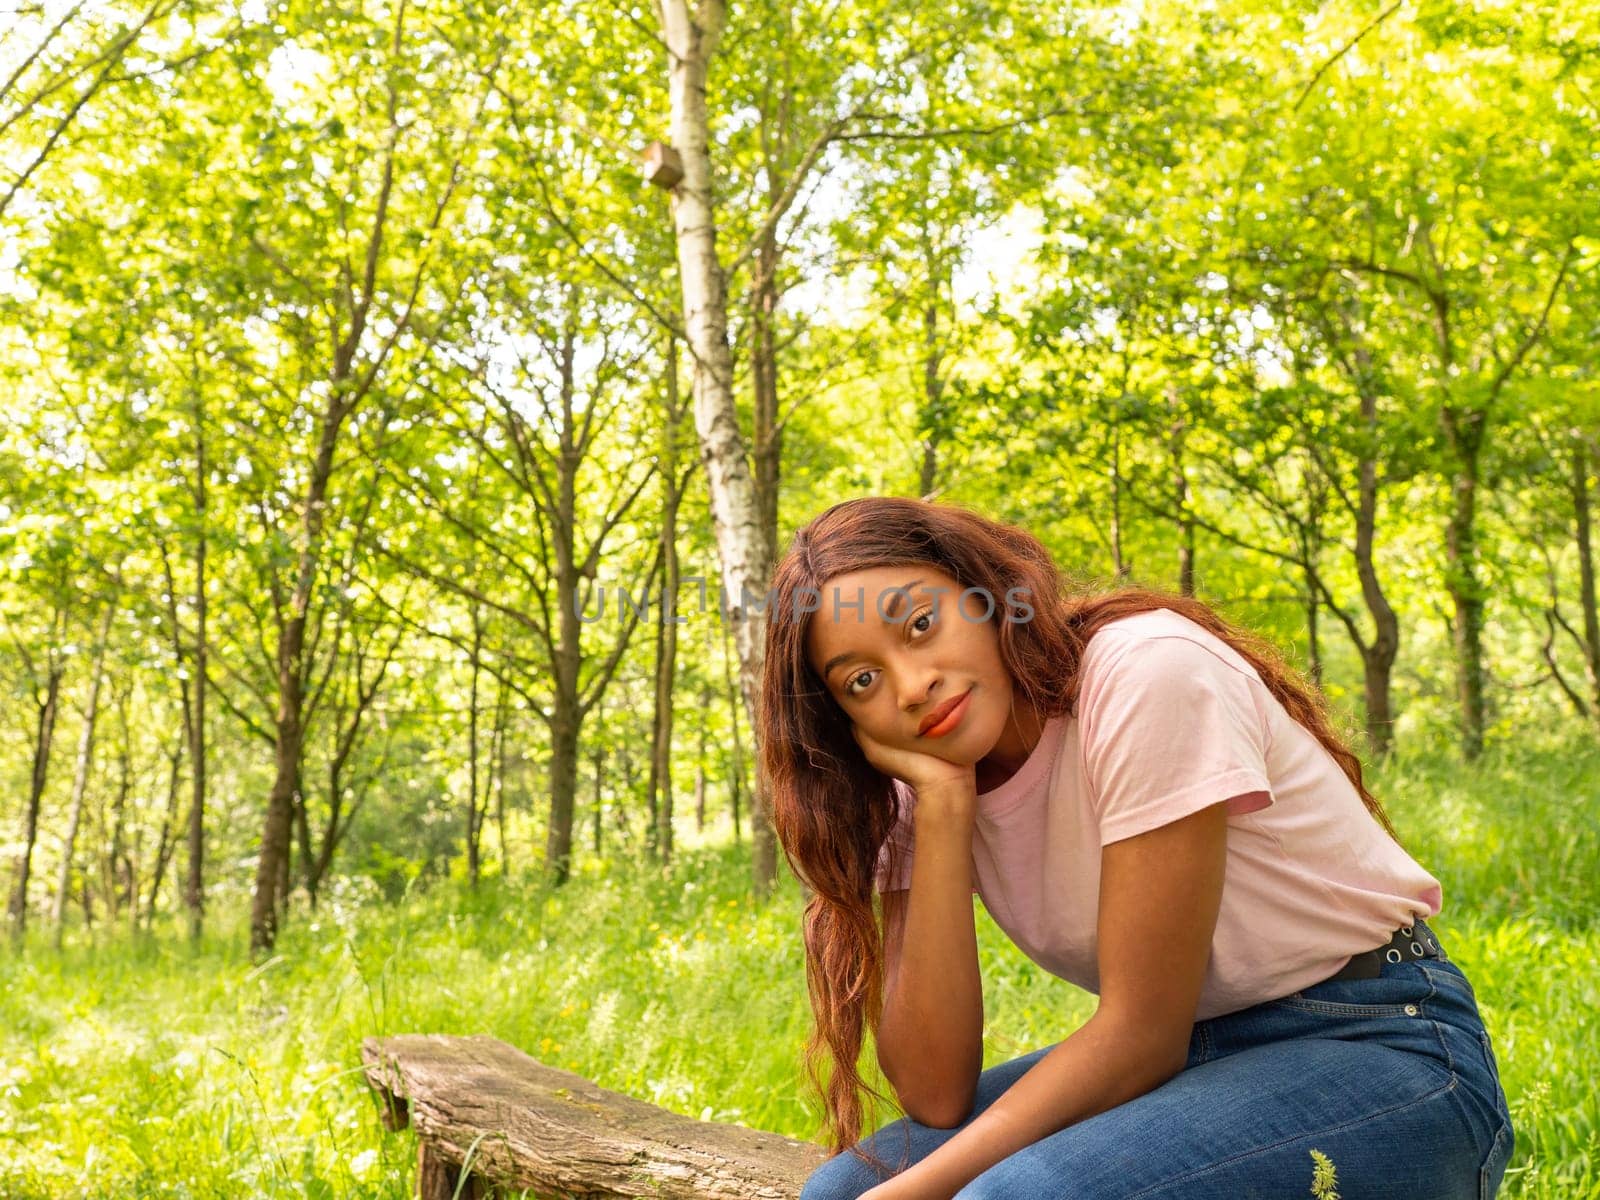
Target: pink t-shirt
{"points": [[1172, 719]]}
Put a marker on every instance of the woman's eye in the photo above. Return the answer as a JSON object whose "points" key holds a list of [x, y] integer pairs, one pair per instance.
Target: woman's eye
{"points": [[925, 615]]}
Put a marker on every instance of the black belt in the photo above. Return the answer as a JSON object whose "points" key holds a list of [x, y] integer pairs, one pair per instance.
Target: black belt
{"points": [[1409, 942]]}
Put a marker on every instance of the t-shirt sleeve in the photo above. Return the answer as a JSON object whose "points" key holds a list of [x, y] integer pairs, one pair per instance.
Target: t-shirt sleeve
{"points": [[1169, 727], [899, 843]]}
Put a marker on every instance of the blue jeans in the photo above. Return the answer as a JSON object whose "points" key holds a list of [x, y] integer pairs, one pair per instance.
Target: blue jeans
{"points": [[1392, 1078]]}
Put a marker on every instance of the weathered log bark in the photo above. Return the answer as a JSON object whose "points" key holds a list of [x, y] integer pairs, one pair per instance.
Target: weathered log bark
{"points": [[438, 1177], [526, 1125]]}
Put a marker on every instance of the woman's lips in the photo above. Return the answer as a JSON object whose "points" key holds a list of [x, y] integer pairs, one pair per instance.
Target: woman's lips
{"points": [[949, 720]]}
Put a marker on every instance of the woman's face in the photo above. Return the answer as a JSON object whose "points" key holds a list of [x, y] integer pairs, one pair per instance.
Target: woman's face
{"points": [[894, 645]]}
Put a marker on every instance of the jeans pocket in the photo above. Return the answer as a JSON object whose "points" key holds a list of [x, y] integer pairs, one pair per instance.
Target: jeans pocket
{"points": [[1344, 1008], [1385, 997], [1449, 977], [1505, 1138], [1494, 1167]]}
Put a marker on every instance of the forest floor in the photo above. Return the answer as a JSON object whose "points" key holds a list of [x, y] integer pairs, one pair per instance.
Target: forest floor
{"points": [[133, 1067]]}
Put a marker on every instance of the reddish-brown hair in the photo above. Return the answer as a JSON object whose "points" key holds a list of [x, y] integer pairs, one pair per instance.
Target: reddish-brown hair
{"points": [[832, 810]]}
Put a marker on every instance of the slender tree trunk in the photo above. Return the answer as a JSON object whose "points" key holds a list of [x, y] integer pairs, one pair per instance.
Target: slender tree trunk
{"points": [[473, 824], [300, 831], [498, 750], [700, 761], [194, 894], [563, 785], [660, 783], [660, 779], [345, 393], [1579, 482], [567, 717], [117, 872], [80, 773], [1464, 432], [1177, 434], [629, 775], [691, 39], [1119, 564], [932, 386], [736, 788], [310, 877], [767, 446], [1310, 535], [272, 864], [652, 797], [1313, 638], [599, 800], [1185, 539], [1180, 488], [597, 769], [44, 735], [168, 842], [1377, 656]]}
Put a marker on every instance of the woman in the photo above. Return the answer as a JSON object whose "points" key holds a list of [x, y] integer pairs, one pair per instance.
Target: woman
{"points": [[1152, 806]]}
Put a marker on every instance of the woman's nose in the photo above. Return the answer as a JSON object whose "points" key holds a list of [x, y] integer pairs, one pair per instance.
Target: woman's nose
{"points": [[920, 692]]}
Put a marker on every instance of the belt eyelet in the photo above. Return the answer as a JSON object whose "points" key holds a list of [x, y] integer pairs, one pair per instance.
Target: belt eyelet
{"points": [[1406, 929], [1417, 949], [1394, 955]]}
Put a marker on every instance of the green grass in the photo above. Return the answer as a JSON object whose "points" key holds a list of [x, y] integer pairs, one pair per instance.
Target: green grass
{"points": [[133, 1068]]}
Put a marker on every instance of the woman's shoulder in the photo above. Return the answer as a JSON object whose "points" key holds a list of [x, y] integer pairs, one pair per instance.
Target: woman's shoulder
{"points": [[1154, 624], [1159, 640]]}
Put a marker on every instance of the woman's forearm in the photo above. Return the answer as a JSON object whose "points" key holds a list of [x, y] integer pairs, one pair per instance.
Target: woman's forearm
{"points": [[930, 1036], [1101, 1065]]}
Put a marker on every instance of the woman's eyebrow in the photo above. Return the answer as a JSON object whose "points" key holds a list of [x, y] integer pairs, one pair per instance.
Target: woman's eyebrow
{"points": [[890, 612]]}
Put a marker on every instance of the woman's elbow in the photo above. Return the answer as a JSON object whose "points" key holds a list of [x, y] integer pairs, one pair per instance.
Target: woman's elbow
{"points": [[944, 1111]]}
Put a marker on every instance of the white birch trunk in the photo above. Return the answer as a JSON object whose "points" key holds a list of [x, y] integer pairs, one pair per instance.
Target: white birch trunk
{"points": [[691, 36]]}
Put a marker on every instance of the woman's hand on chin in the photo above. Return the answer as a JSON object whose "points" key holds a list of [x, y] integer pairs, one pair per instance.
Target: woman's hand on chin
{"points": [[922, 772]]}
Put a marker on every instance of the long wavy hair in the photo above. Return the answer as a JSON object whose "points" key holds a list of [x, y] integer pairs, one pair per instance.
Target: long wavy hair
{"points": [[832, 810]]}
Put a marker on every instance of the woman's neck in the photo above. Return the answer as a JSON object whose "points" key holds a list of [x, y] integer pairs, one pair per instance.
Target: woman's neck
{"points": [[1021, 734]]}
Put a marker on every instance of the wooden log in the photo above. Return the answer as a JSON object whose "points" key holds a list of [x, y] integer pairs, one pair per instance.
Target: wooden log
{"points": [[486, 1107], [440, 1179]]}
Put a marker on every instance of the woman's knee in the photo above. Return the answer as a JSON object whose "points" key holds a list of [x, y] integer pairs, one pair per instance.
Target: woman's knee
{"points": [[1002, 1183], [842, 1177]]}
